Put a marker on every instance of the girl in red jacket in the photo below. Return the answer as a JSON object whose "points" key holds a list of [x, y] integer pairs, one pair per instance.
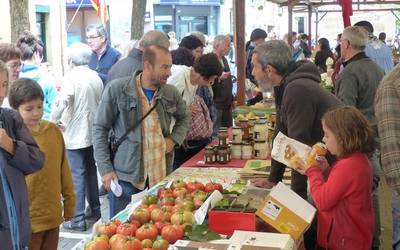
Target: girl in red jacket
{"points": [[342, 192]]}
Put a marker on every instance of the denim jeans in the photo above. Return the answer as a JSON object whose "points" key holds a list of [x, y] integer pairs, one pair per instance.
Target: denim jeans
{"points": [[117, 204], [396, 220], [84, 174]]}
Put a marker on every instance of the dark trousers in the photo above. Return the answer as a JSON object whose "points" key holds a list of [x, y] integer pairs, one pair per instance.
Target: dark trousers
{"points": [[84, 174], [44, 240], [187, 151], [118, 204]]}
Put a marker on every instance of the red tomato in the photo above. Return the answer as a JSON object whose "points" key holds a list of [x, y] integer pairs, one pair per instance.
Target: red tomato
{"points": [[132, 243], [211, 186], [159, 225], [172, 233], [147, 243], [147, 231], [141, 214], [167, 208], [181, 218], [179, 192], [169, 201], [160, 215], [134, 222], [117, 240], [108, 229], [164, 192], [127, 229], [97, 245], [152, 207], [160, 244], [147, 248], [192, 186], [178, 183], [157, 215], [116, 222]]}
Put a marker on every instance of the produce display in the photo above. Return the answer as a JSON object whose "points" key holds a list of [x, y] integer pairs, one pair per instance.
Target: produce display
{"points": [[161, 219]]}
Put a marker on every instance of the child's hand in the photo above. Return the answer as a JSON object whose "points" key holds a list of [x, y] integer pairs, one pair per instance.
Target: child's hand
{"points": [[299, 165], [322, 163]]}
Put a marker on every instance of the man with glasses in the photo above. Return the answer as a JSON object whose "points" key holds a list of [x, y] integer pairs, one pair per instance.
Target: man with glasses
{"points": [[104, 56], [356, 86]]}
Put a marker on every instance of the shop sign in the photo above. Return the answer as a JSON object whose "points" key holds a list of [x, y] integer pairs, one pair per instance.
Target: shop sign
{"points": [[73, 4], [190, 2]]}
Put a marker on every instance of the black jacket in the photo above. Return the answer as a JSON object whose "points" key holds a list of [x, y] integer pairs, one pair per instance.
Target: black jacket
{"points": [[300, 105], [222, 89]]}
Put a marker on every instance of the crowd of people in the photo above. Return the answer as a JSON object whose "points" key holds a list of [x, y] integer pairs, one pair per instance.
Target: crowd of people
{"points": [[133, 119]]}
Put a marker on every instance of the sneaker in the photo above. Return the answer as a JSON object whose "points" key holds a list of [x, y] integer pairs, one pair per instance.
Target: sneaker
{"points": [[75, 226], [92, 216]]}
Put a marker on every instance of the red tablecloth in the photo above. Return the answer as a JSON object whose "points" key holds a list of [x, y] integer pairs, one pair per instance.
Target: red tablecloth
{"points": [[198, 161]]}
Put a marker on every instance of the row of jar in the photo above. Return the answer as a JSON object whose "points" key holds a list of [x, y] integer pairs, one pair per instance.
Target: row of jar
{"points": [[258, 132], [248, 150]]}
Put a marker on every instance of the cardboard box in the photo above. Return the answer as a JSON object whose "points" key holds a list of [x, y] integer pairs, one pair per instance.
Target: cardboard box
{"points": [[242, 240], [193, 245], [261, 241], [286, 211]]}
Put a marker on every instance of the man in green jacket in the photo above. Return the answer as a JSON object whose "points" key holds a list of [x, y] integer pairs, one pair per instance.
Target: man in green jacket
{"points": [[145, 157]]}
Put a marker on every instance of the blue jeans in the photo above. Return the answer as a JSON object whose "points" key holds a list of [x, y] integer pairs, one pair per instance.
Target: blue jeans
{"points": [[84, 174], [396, 220], [118, 204]]}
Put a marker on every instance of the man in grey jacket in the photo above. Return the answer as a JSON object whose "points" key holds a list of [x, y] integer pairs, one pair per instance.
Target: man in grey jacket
{"points": [[356, 86], [124, 103], [133, 62]]}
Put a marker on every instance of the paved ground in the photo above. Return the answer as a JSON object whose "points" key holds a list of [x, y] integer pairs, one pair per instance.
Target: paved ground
{"points": [[69, 239]]}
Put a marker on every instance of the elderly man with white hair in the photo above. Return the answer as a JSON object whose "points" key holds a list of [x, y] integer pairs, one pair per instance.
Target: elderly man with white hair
{"points": [[222, 86], [74, 110], [356, 86]]}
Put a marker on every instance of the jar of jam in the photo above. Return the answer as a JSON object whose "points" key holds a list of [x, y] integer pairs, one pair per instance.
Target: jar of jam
{"points": [[244, 124], [260, 150], [247, 151], [237, 135], [260, 131], [236, 150], [223, 137], [209, 155], [252, 122], [222, 155]]}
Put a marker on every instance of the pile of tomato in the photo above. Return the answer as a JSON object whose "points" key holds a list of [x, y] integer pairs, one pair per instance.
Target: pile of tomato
{"points": [[166, 214]]}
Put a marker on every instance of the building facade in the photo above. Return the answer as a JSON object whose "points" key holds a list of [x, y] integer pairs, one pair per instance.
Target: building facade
{"points": [[47, 21]]}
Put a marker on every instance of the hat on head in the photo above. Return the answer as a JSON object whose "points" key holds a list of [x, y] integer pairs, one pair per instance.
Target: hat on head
{"points": [[258, 34], [366, 25]]}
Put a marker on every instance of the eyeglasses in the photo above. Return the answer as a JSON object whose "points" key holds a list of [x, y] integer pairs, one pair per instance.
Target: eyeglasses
{"points": [[14, 65], [92, 37]]}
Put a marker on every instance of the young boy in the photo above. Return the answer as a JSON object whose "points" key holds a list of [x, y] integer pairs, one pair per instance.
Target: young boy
{"points": [[54, 180], [19, 156]]}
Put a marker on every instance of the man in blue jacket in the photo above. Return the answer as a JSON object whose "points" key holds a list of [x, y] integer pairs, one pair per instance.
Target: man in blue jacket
{"points": [[104, 56]]}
